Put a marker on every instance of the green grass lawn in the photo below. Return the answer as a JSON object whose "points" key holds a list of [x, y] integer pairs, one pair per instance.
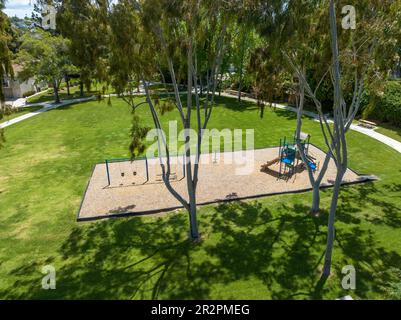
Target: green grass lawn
{"points": [[269, 248], [390, 131]]}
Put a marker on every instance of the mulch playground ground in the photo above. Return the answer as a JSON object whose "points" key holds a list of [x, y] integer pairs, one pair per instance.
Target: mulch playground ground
{"points": [[222, 177]]}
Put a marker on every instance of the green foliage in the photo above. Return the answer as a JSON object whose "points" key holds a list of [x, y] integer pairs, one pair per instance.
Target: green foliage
{"points": [[164, 105], [138, 134], [4, 111], [28, 94], [269, 77], [84, 23], [386, 106], [296, 28], [5, 53], [44, 57]]}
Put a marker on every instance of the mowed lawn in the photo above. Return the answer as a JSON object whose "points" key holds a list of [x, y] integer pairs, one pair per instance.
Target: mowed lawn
{"points": [[269, 248]]}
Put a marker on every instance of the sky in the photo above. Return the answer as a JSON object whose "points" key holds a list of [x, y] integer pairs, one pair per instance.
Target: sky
{"points": [[19, 8]]}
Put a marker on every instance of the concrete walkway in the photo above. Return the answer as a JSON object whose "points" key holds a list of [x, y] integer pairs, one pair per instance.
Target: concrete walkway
{"points": [[396, 145], [46, 107], [16, 103]]}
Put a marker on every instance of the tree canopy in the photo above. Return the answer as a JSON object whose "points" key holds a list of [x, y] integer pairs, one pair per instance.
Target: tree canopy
{"points": [[44, 57], [6, 68]]}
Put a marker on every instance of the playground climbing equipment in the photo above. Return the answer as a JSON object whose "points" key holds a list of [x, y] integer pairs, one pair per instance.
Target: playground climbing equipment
{"points": [[290, 158]]}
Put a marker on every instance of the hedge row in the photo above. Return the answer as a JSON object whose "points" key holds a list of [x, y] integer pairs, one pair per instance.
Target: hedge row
{"points": [[385, 107]]}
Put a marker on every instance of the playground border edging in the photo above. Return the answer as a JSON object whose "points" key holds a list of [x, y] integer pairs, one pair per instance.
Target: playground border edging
{"points": [[153, 212], [364, 179]]}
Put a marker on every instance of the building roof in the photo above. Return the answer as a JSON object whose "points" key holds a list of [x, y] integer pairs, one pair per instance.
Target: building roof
{"points": [[17, 69]]}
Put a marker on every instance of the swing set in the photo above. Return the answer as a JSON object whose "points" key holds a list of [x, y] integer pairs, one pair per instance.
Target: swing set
{"points": [[128, 172], [126, 168]]}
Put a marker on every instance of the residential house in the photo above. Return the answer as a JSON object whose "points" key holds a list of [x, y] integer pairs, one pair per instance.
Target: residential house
{"points": [[15, 88]]}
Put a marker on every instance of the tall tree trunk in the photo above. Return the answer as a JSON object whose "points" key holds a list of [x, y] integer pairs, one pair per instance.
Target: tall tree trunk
{"points": [[193, 223], [193, 216], [240, 77], [316, 185], [331, 229], [194, 234], [315, 208], [239, 89], [315, 199], [163, 78], [56, 92], [241, 67], [67, 81], [201, 86], [81, 89]]}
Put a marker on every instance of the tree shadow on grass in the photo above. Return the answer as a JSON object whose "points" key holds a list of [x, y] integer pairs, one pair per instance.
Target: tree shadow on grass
{"points": [[244, 246], [354, 202], [287, 114], [362, 250], [233, 105]]}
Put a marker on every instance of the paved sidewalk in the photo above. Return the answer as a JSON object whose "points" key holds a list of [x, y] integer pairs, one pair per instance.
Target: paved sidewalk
{"points": [[46, 107], [396, 145], [17, 103]]}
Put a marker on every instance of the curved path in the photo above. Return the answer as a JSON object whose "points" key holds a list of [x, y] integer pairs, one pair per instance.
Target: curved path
{"points": [[46, 107], [396, 145]]}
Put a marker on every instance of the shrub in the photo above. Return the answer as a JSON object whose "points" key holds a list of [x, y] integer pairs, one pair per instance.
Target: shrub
{"points": [[386, 106], [28, 94]]}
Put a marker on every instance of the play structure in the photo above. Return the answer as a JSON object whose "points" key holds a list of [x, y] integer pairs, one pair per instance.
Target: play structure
{"points": [[290, 158], [219, 182], [128, 172]]}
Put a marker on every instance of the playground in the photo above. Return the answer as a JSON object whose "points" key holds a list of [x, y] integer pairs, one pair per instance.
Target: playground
{"points": [[243, 241], [121, 188]]}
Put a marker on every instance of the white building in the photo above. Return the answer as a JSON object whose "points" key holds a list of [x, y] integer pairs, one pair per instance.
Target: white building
{"points": [[15, 88]]}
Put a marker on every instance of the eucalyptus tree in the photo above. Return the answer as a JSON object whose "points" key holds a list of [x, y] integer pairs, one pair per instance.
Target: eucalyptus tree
{"points": [[5, 53], [145, 35], [305, 44], [5, 60], [296, 32], [266, 68], [84, 23], [44, 57], [244, 43], [299, 36], [365, 56]]}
